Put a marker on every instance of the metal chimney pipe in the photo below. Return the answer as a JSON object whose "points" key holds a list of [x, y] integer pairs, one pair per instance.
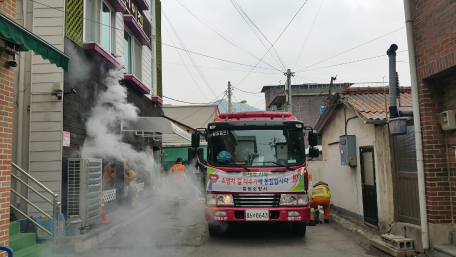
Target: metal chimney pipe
{"points": [[391, 52]]}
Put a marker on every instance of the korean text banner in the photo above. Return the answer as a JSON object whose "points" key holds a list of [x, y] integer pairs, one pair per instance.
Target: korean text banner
{"points": [[290, 181]]}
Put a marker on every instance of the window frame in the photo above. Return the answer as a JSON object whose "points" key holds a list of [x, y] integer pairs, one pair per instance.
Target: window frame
{"points": [[134, 43], [96, 25]]}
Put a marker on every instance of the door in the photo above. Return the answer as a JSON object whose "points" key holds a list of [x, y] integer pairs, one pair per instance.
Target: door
{"points": [[407, 199], [368, 186]]}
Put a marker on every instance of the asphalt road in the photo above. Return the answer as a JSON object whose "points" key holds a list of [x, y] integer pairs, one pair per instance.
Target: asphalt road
{"points": [[170, 230]]}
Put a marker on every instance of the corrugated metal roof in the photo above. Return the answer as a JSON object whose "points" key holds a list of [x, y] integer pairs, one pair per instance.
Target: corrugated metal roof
{"points": [[372, 106]]}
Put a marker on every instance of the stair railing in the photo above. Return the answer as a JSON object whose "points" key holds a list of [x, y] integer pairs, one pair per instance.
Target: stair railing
{"points": [[54, 202]]}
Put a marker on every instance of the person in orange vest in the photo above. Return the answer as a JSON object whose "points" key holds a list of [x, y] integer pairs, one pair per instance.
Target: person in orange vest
{"points": [[179, 183], [321, 195], [132, 189]]}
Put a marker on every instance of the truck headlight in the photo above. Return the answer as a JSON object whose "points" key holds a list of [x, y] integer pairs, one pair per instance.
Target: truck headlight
{"points": [[303, 199], [288, 199], [211, 199], [225, 200]]}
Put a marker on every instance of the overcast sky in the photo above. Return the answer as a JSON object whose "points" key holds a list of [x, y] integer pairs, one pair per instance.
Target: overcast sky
{"points": [[338, 27]]}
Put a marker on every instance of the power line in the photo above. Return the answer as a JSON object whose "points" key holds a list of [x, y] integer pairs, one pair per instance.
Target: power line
{"points": [[255, 93], [275, 41], [215, 57], [248, 107], [224, 93], [373, 57], [246, 18], [229, 40], [351, 49], [184, 101], [196, 83], [189, 56], [310, 30], [220, 68]]}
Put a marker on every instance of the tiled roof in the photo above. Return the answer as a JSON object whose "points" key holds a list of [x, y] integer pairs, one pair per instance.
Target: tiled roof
{"points": [[372, 105]]}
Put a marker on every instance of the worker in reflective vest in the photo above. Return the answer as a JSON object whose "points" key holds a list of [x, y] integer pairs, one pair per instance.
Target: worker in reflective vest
{"points": [[179, 184], [321, 195]]}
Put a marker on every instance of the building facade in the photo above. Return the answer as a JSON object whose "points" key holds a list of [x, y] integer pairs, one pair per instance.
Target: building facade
{"points": [[434, 38], [100, 37], [306, 100]]}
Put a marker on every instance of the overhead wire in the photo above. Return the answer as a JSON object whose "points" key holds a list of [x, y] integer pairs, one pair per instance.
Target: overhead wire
{"points": [[185, 102], [252, 26], [308, 33], [224, 93], [369, 58], [351, 49], [222, 35], [186, 66], [223, 69], [275, 41], [189, 55]]}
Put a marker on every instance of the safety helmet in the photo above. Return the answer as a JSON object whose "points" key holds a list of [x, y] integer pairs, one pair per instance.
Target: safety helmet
{"points": [[224, 156], [131, 174]]}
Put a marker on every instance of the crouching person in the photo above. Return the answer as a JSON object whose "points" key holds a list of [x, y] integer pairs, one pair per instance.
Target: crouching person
{"points": [[321, 195]]}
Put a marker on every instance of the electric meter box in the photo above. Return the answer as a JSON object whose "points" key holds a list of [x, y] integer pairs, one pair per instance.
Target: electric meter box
{"points": [[347, 145]]}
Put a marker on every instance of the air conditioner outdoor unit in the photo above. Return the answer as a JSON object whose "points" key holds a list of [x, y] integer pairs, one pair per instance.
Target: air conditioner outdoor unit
{"points": [[447, 120], [84, 189]]}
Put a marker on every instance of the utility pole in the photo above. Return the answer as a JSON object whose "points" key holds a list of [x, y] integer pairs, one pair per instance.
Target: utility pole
{"points": [[229, 97], [288, 88], [328, 101]]}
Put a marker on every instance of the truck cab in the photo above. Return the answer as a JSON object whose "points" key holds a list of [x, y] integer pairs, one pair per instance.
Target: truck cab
{"points": [[256, 169]]}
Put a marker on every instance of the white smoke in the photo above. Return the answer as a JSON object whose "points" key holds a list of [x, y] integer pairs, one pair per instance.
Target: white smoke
{"points": [[104, 138]]}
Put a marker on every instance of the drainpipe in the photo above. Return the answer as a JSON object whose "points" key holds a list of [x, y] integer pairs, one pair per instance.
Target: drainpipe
{"points": [[20, 100], [417, 124]]}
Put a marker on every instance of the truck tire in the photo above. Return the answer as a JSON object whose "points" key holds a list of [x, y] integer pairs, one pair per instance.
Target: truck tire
{"points": [[215, 229], [299, 228]]}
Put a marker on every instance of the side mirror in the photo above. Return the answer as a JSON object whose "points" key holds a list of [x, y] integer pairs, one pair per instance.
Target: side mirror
{"points": [[196, 139], [314, 152], [313, 138]]}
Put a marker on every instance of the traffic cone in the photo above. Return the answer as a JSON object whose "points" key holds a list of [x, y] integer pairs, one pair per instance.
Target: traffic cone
{"points": [[104, 221]]}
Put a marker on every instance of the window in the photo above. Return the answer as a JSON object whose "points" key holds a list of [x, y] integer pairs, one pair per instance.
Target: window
{"points": [[132, 55], [99, 26]]}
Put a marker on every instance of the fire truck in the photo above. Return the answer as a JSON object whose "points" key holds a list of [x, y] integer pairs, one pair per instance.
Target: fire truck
{"points": [[256, 169]]}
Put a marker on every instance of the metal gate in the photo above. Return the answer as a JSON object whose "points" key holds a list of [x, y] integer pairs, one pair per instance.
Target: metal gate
{"points": [[369, 189], [407, 199]]}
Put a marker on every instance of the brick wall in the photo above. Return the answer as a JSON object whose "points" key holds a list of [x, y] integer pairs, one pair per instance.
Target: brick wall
{"points": [[435, 45], [8, 8]]}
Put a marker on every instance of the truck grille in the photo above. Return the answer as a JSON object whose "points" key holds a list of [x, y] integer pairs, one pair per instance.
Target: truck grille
{"points": [[263, 200]]}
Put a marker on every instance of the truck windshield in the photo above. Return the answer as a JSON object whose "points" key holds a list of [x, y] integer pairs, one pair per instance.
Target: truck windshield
{"points": [[256, 147]]}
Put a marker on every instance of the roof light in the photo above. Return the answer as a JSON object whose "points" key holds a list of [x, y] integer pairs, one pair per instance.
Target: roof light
{"points": [[212, 127]]}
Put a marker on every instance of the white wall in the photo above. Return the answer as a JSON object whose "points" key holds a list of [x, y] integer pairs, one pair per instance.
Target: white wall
{"points": [[46, 111], [344, 181]]}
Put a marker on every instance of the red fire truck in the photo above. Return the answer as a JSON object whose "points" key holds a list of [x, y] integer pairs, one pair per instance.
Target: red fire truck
{"points": [[256, 169]]}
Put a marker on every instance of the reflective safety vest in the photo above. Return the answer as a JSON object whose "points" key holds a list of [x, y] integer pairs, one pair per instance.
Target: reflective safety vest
{"points": [[321, 191]]}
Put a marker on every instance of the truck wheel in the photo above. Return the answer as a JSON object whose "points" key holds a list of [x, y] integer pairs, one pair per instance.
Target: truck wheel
{"points": [[215, 228], [299, 228]]}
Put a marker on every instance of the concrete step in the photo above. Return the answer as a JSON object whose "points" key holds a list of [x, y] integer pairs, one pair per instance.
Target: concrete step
{"points": [[444, 250], [37, 250], [388, 248], [14, 228], [22, 240]]}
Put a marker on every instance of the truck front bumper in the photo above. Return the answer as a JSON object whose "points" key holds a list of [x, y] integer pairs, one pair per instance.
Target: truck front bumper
{"points": [[276, 214]]}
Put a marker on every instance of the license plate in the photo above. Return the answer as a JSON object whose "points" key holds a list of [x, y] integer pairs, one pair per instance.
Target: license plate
{"points": [[256, 214]]}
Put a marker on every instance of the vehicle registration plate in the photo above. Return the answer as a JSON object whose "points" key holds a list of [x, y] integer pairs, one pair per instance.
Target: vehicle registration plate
{"points": [[256, 214]]}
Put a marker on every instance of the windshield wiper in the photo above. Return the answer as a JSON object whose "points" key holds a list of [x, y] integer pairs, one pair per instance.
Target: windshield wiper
{"points": [[241, 166], [281, 165]]}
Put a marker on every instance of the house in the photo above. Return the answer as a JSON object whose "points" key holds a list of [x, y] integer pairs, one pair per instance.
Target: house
{"points": [[99, 37], [189, 118], [306, 99], [15, 43], [431, 37], [372, 175]]}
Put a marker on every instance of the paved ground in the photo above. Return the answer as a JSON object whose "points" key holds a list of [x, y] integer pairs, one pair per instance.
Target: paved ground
{"points": [[170, 230]]}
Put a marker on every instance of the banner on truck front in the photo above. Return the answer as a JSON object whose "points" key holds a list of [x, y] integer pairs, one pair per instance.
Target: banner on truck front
{"points": [[255, 182]]}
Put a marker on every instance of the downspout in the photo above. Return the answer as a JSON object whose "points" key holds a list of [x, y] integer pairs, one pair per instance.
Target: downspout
{"points": [[20, 102], [417, 124], [391, 52]]}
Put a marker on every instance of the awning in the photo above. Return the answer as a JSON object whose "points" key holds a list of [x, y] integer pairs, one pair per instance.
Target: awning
{"points": [[159, 129], [11, 30]]}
